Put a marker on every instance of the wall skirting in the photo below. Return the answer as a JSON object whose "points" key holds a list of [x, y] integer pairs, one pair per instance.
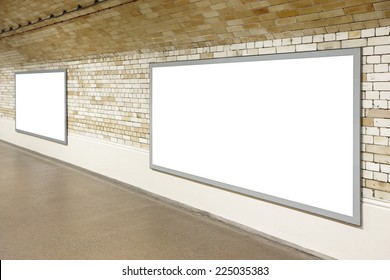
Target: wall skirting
{"points": [[131, 166]]}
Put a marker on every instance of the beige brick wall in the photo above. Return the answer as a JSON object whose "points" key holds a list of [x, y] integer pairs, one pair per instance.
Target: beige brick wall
{"points": [[108, 95], [39, 30]]}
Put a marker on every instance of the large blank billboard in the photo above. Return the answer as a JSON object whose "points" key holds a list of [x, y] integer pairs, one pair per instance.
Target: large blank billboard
{"points": [[41, 109], [283, 128]]}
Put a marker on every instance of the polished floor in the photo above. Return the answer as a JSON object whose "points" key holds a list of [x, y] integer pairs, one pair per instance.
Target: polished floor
{"points": [[49, 210]]}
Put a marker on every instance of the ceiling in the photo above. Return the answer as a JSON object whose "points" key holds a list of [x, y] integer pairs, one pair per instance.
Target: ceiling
{"points": [[50, 30]]}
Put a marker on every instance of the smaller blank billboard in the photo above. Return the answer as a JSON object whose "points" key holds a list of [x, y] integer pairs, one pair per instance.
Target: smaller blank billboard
{"points": [[41, 104]]}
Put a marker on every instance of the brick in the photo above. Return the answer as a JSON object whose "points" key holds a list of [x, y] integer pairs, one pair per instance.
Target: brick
{"points": [[384, 132], [342, 36], [382, 86], [382, 104], [297, 40], [286, 42], [270, 50], [318, 38], [308, 17], [383, 195], [367, 192], [374, 59], [372, 166], [368, 16], [330, 37], [382, 6], [382, 158], [368, 50], [372, 131], [367, 174], [377, 185], [385, 58], [307, 39], [368, 104], [381, 140], [367, 86], [368, 32], [383, 31], [329, 45], [359, 9], [261, 11], [382, 49], [306, 47], [385, 168], [259, 44], [381, 122], [370, 24], [383, 40], [376, 149], [381, 68], [287, 13], [368, 139], [380, 176], [285, 49], [367, 157], [378, 77], [367, 122], [332, 13], [384, 95], [372, 94], [301, 4], [277, 42], [267, 43], [354, 34], [354, 43], [368, 68]]}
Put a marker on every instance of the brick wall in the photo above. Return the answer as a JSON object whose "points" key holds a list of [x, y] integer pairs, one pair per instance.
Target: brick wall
{"points": [[47, 30], [108, 95]]}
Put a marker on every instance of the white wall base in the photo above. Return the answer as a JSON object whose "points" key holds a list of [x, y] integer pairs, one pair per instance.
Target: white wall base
{"points": [[131, 166]]}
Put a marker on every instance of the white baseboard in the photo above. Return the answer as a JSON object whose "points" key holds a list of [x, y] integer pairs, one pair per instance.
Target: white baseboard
{"points": [[131, 166]]}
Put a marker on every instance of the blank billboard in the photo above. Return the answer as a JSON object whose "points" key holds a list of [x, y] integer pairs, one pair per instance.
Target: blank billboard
{"points": [[41, 104], [283, 128]]}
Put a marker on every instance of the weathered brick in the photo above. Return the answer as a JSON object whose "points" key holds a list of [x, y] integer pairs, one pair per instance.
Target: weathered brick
{"points": [[354, 43], [367, 122], [332, 13], [375, 149], [382, 158], [359, 9], [382, 186], [354, 34], [384, 195], [329, 45]]}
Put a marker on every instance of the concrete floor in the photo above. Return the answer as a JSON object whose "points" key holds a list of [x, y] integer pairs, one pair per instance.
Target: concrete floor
{"points": [[49, 210]]}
